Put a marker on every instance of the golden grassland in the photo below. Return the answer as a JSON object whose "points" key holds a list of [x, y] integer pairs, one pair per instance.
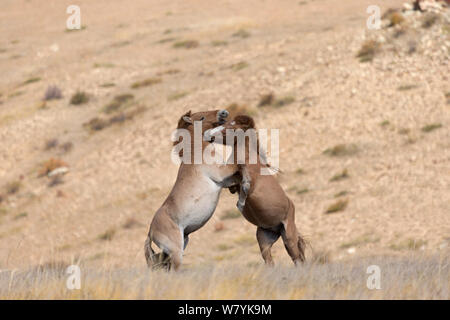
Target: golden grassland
{"points": [[412, 277]]}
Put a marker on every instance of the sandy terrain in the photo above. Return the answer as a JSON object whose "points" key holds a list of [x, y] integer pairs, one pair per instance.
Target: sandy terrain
{"points": [[391, 114]]}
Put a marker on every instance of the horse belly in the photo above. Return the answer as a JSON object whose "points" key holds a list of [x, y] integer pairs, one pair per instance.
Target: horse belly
{"points": [[199, 211]]}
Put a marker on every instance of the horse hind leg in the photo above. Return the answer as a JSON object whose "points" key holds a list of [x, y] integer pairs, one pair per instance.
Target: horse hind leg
{"points": [[293, 242], [266, 238]]}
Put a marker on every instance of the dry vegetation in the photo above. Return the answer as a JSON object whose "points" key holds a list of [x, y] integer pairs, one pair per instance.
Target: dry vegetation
{"points": [[411, 277]]}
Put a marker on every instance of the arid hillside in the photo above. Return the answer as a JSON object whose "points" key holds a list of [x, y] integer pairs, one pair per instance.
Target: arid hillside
{"points": [[364, 118]]}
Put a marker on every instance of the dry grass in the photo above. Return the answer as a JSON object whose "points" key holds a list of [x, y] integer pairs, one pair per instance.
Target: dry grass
{"points": [[337, 206], [146, 83], [412, 277], [241, 33], [340, 176], [431, 127], [108, 235], [341, 150], [368, 51], [13, 187], [186, 44], [79, 97], [118, 103], [239, 66], [231, 214]]}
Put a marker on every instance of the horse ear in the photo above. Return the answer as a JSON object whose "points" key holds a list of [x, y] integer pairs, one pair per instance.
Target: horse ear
{"points": [[185, 120], [245, 120]]}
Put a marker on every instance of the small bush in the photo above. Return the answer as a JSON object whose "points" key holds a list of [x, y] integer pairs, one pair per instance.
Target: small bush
{"points": [[340, 176], [339, 205], [79, 97], [341, 150], [186, 44], [231, 214], [132, 223], [341, 194], [50, 144], [96, 124], [31, 80], [239, 66], [146, 83], [108, 235], [431, 127], [241, 33], [13, 187], [55, 181], [396, 18], [52, 93], [266, 100], [368, 51], [66, 147], [218, 43], [118, 102], [429, 20], [177, 95], [281, 102]]}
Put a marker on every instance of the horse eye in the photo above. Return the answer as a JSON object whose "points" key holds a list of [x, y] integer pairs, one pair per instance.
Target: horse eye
{"points": [[202, 118]]}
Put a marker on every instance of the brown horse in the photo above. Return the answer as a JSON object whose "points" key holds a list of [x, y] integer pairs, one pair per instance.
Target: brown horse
{"points": [[262, 201]]}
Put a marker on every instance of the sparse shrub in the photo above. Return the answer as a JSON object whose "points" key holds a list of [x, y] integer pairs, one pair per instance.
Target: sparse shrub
{"points": [[219, 43], [31, 80], [50, 144], [341, 150], [50, 165], [20, 216], [96, 124], [79, 97], [239, 66], [66, 147], [302, 191], [284, 101], [406, 87], [339, 205], [146, 83], [368, 51], [177, 95], [55, 181], [300, 171], [107, 85], [186, 44], [396, 18], [409, 244], [362, 240], [431, 127], [118, 102], [429, 20], [341, 194], [165, 40], [320, 257], [52, 93], [13, 187], [224, 247], [340, 176], [245, 240], [241, 33], [231, 214], [2, 197], [266, 100], [104, 65], [132, 223], [384, 123], [108, 235]]}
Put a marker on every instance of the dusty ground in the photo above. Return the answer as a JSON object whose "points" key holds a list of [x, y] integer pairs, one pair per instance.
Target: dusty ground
{"points": [[398, 184]]}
